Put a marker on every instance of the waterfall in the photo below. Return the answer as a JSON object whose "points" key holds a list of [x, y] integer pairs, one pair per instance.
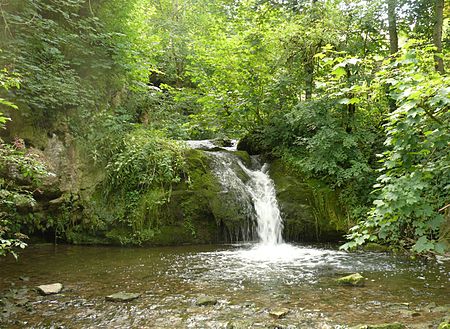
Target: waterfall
{"points": [[252, 188], [262, 191], [256, 193]]}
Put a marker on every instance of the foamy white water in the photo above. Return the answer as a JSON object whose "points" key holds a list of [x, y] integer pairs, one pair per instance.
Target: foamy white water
{"points": [[257, 192], [268, 217]]}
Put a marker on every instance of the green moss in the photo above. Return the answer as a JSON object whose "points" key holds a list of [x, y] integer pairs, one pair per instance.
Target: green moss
{"points": [[375, 247], [244, 156], [84, 238]]}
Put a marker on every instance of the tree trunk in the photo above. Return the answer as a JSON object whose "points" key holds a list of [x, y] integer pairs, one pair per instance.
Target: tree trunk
{"points": [[437, 34], [393, 44], [309, 79], [392, 19]]}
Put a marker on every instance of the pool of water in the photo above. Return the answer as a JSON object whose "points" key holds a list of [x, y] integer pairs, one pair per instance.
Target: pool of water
{"points": [[248, 281]]}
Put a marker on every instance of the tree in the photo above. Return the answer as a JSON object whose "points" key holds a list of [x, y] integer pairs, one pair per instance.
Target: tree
{"points": [[437, 34], [392, 19]]}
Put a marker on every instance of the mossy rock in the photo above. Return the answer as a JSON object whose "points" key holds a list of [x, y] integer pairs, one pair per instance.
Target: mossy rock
{"points": [[206, 301], [375, 247], [253, 143], [355, 280], [309, 208], [200, 202], [244, 157]]}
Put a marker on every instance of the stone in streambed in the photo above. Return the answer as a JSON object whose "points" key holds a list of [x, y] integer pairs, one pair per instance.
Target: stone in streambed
{"points": [[278, 313], [205, 301], [355, 279], [122, 297], [50, 289], [394, 325]]}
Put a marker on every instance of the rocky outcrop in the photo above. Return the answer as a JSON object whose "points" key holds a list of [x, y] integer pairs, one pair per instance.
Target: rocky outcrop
{"points": [[198, 209], [309, 208]]}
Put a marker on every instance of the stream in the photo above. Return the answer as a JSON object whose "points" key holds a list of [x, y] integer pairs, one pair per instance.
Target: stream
{"points": [[248, 282]]}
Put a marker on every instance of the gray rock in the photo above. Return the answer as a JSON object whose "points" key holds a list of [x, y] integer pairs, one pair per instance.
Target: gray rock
{"points": [[50, 289], [122, 297], [205, 301], [355, 279]]}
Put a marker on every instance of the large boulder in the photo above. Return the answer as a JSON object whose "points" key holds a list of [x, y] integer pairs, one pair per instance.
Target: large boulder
{"points": [[309, 208], [200, 209], [253, 144]]}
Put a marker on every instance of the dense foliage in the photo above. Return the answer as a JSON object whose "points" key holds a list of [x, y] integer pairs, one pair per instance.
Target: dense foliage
{"points": [[352, 93], [20, 173]]}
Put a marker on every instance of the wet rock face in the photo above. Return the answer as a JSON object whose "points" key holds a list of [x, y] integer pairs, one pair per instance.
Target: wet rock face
{"points": [[50, 289], [213, 212]]}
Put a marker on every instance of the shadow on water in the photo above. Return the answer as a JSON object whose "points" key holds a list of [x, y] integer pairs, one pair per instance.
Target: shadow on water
{"points": [[247, 280]]}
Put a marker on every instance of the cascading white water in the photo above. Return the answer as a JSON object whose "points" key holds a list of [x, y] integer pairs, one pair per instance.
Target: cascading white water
{"points": [[262, 190], [254, 189], [257, 192]]}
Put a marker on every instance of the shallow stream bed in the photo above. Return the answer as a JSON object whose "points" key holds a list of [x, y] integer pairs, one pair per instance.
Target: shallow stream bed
{"points": [[247, 281]]}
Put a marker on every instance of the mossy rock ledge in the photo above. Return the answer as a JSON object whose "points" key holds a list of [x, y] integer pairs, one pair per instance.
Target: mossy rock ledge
{"points": [[200, 210]]}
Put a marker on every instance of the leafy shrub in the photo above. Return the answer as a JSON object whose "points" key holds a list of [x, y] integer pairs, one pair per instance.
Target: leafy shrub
{"points": [[139, 180], [414, 181]]}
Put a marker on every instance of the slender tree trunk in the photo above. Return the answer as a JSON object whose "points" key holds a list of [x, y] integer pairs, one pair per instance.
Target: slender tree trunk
{"points": [[392, 19], [309, 79], [437, 34], [393, 44], [351, 108]]}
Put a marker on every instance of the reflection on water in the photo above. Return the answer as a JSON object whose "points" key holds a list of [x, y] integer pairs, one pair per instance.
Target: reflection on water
{"points": [[247, 281]]}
